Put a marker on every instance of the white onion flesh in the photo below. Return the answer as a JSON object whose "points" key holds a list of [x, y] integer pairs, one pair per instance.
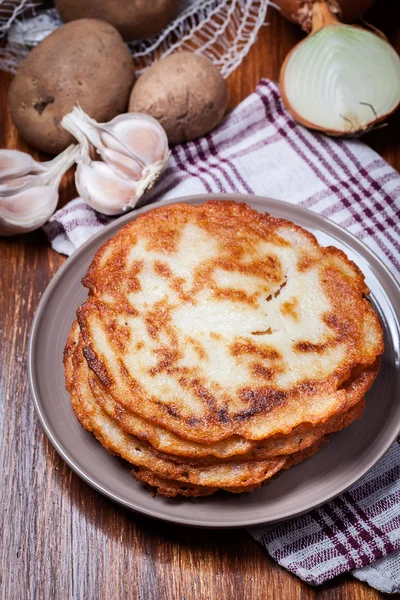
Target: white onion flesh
{"points": [[342, 79]]}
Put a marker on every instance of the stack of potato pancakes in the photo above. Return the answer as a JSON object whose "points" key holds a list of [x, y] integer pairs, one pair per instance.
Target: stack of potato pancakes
{"points": [[219, 346]]}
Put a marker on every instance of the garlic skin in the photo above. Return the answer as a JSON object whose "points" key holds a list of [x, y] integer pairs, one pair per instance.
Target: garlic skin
{"points": [[119, 161], [14, 163], [103, 189], [29, 190]]}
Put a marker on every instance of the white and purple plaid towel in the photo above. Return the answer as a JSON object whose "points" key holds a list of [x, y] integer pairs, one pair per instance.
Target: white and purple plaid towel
{"points": [[259, 149]]}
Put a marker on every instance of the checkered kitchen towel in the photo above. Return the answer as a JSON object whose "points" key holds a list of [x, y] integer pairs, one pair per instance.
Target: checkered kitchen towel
{"points": [[259, 149]]}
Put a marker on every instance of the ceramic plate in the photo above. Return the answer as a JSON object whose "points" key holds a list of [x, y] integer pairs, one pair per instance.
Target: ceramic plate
{"points": [[345, 459]]}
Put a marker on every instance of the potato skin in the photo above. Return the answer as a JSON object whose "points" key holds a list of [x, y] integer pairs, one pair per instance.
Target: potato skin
{"points": [[85, 62], [185, 92], [134, 19]]}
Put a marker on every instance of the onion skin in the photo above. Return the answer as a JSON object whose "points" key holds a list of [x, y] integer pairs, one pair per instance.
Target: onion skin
{"points": [[300, 11], [331, 132]]}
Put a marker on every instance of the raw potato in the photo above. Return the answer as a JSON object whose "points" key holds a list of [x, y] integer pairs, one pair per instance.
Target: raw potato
{"points": [[85, 62], [185, 92], [134, 19]]}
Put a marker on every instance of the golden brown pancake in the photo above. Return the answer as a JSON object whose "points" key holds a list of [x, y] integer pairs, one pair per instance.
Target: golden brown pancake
{"points": [[219, 347], [215, 320]]}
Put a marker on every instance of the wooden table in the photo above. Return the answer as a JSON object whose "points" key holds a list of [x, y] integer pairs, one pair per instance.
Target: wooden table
{"points": [[61, 540]]}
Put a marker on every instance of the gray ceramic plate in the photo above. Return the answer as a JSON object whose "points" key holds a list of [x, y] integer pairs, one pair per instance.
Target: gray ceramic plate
{"points": [[344, 460]]}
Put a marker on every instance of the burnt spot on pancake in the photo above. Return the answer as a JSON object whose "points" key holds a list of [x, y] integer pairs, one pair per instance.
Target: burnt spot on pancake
{"points": [[262, 400], [68, 350], [132, 280], [167, 359], [223, 416], [201, 392], [305, 262], [122, 306], [125, 332], [132, 383], [162, 269], [122, 337], [344, 327], [172, 411], [198, 348], [308, 387], [167, 238], [97, 366], [265, 332], [279, 241], [119, 413], [176, 283], [183, 382], [289, 309], [310, 347], [267, 269], [119, 344], [111, 325], [247, 347], [260, 370], [215, 336], [123, 370], [277, 292], [113, 276], [157, 319], [235, 295]]}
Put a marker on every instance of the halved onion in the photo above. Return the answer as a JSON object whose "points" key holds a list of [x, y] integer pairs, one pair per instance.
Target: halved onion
{"points": [[341, 79]]}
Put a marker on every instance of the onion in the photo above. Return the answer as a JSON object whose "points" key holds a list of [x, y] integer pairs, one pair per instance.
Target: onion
{"points": [[300, 11], [341, 79]]}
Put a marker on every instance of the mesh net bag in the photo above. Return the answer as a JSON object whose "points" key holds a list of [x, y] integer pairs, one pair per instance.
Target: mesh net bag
{"points": [[222, 30]]}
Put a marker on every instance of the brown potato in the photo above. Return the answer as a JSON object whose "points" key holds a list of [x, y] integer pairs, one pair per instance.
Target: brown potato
{"points": [[185, 92], [85, 63], [134, 19]]}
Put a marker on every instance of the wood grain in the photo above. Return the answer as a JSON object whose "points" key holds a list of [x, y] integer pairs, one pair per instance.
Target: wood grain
{"points": [[59, 539]]}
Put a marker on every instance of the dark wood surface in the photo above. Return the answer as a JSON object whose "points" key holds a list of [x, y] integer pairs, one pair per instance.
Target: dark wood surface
{"points": [[59, 539]]}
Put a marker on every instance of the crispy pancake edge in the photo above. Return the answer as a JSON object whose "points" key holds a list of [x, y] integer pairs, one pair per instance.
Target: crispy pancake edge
{"points": [[89, 415], [168, 488]]}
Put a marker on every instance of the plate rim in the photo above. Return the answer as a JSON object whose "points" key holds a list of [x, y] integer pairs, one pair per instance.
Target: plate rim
{"points": [[357, 245]]}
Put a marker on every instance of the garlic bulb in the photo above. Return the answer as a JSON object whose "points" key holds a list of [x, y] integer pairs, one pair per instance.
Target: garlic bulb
{"points": [[119, 161], [341, 79], [29, 189]]}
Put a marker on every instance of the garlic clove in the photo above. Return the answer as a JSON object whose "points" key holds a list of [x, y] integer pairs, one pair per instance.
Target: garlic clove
{"points": [[124, 164], [134, 148], [27, 210], [141, 134], [11, 186], [103, 189], [29, 190], [14, 163]]}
